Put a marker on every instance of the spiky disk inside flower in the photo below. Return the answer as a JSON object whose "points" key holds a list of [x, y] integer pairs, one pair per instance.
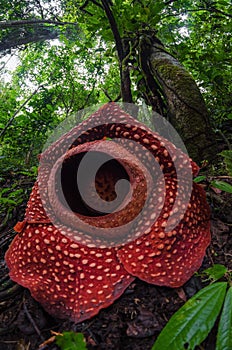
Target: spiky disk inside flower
{"points": [[77, 255]]}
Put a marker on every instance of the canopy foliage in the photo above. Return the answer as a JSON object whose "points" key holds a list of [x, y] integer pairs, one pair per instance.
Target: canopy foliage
{"points": [[72, 54]]}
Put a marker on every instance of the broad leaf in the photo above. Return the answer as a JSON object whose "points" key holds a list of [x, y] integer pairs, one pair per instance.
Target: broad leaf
{"points": [[222, 185], [71, 341], [224, 336], [199, 178], [215, 272], [190, 325]]}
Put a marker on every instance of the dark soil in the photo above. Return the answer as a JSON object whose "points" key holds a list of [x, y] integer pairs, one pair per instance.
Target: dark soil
{"points": [[133, 322]]}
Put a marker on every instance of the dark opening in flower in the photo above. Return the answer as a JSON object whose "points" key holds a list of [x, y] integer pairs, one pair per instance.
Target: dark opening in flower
{"points": [[103, 184]]}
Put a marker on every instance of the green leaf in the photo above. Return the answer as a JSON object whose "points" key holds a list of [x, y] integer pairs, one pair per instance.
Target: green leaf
{"points": [[5, 190], [222, 2], [7, 201], [199, 178], [227, 154], [15, 193], [215, 272], [224, 336], [71, 341], [190, 325], [50, 107], [222, 185]]}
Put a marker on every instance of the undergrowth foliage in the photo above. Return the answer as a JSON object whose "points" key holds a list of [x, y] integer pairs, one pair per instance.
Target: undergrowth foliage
{"points": [[71, 341], [191, 324], [15, 188]]}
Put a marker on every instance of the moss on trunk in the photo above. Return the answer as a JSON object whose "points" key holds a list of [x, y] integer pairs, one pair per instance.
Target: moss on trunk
{"points": [[186, 109]]}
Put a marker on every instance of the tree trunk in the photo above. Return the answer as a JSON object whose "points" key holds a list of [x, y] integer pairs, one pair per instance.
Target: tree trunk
{"points": [[184, 104]]}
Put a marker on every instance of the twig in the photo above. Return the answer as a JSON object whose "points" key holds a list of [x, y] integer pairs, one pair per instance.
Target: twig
{"points": [[107, 95], [169, 2], [223, 177], [40, 8], [225, 139], [211, 10], [32, 321]]}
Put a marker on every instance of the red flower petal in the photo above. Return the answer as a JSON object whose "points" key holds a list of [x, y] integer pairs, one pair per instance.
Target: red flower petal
{"points": [[69, 280], [169, 258]]}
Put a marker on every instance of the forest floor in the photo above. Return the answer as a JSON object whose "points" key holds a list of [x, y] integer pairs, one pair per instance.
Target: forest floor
{"points": [[134, 321]]}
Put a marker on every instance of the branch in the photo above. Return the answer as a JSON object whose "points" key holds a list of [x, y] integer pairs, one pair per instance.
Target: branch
{"points": [[99, 5], [40, 8], [114, 28], [18, 110], [29, 22], [211, 10], [82, 8], [221, 12], [122, 54], [169, 2], [14, 39], [5, 63], [86, 3], [107, 95]]}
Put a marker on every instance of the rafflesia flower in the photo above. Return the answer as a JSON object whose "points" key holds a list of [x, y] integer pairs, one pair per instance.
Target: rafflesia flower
{"points": [[113, 201]]}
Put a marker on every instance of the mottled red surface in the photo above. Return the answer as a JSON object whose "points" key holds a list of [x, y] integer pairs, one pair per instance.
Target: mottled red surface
{"points": [[62, 267]]}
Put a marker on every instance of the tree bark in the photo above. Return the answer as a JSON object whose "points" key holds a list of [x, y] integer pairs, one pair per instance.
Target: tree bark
{"points": [[22, 32], [31, 22], [23, 36], [185, 106]]}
